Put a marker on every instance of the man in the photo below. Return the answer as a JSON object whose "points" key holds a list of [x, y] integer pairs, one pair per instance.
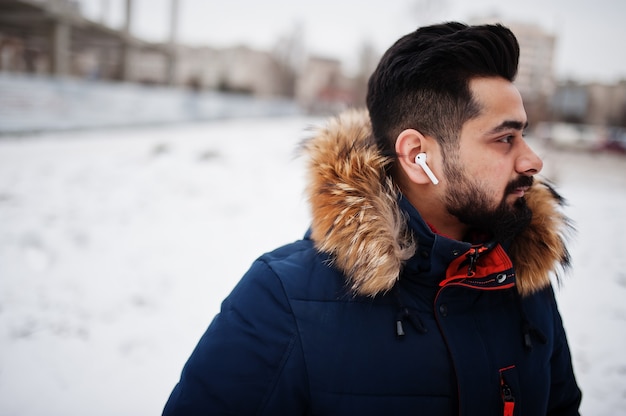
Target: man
{"points": [[423, 286]]}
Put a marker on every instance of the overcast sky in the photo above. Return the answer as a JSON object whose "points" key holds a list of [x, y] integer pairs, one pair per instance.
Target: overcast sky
{"points": [[590, 33]]}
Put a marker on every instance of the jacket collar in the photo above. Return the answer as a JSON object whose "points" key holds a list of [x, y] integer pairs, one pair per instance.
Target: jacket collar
{"points": [[370, 232]]}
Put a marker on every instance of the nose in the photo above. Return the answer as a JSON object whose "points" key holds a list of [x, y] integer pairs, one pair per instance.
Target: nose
{"points": [[528, 163]]}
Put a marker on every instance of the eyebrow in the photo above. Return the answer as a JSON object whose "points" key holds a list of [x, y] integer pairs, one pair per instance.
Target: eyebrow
{"points": [[510, 124]]}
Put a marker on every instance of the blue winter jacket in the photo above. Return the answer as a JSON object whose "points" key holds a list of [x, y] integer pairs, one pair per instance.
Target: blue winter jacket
{"points": [[373, 313]]}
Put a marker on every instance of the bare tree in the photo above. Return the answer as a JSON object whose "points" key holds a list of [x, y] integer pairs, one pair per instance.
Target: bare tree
{"points": [[289, 53], [368, 59]]}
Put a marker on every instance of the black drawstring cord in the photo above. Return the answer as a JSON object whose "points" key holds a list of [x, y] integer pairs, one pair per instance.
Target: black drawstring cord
{"points": [[528, 331], [412, 317]]}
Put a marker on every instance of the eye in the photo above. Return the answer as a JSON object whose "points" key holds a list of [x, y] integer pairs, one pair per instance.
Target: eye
{"points": [[506, 139]]}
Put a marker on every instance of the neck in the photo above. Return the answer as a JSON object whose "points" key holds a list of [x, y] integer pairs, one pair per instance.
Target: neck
{"points": [[434, 213], [444, 223]]}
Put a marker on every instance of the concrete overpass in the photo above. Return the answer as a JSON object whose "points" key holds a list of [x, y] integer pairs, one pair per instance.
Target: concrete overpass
{"points": [[57, 29]]}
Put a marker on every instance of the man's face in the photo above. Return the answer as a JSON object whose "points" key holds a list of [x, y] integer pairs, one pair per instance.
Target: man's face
{"points": [[487, 176]]}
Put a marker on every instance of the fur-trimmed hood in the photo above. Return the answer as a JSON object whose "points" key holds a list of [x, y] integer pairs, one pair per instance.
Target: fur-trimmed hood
{"points": [[357, 221]]}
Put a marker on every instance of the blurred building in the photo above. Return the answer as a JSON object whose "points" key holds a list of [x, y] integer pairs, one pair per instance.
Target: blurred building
{"points": [[596, 104], [535, 76], [238, 69], [607, 104], [570, 102], [322, 87], [51, 37]]}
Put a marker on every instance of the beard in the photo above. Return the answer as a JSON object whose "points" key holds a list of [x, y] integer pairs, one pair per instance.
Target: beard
{"points": [[473, 206]]}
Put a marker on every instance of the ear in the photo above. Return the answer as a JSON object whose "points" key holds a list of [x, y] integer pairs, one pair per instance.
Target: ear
{"points": [[409, 144]]}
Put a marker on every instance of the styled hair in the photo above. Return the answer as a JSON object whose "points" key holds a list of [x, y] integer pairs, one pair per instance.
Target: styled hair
{"points": [[422, 81]]}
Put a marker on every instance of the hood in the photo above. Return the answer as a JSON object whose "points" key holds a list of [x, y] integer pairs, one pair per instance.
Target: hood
{"points": [[356, 219]]}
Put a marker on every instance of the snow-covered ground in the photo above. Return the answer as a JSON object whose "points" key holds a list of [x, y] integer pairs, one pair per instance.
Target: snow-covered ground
{"points": [[117, 247]]}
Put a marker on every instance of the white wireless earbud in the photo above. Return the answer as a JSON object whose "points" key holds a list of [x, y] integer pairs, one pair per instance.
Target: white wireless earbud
{"points": [[420, 159]]}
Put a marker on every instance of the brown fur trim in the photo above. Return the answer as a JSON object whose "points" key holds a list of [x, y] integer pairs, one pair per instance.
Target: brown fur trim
{"points": [[540, 249], [356, 219], [355, 216]]}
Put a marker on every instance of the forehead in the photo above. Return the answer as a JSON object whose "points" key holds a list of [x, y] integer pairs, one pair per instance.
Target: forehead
{"points": [[499, 102]]}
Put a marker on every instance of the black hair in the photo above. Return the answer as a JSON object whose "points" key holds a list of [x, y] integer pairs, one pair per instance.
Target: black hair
{"points": [[422, 81]]}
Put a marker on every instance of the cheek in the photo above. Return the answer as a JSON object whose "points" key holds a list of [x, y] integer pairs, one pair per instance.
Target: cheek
{"points": [[484, 169], [475, 160], [492, 177], [494, 170], [500, 180]]}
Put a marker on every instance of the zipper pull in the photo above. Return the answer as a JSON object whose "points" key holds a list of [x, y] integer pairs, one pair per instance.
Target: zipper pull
{"points": [[473, 258], [475, 253], [508, 399]]}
